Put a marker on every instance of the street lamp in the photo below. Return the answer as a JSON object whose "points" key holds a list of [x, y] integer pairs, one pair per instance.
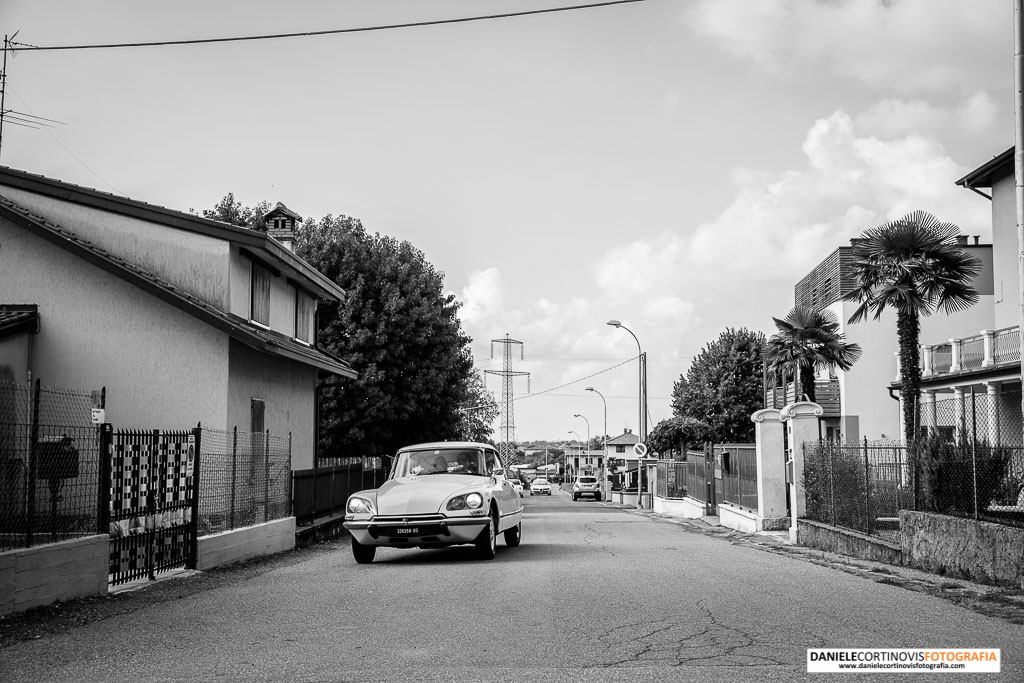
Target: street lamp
{"points": [[588, 435], [604, 441], [641, 425]]}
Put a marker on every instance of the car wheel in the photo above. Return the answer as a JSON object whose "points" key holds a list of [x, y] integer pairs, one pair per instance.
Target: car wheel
{"points": [[487, 541], [514, 536], [598, 498], [363, 553], [575, 498]]}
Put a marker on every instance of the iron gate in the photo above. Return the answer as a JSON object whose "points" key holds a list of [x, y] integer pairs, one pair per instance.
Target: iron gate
{"points": [[152, 512]]}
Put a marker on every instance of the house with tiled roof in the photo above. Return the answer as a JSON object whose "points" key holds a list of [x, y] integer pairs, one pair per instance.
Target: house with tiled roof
{"points": [[180, 318]]}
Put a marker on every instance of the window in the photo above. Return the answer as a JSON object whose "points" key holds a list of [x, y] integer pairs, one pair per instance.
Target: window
{"points": [[620, 449], [303, 317], [260, 296]]}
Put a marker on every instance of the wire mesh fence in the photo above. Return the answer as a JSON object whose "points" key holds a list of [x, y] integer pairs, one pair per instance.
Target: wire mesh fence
{"points": [[49, 465], [245, 479], [864, 486]]}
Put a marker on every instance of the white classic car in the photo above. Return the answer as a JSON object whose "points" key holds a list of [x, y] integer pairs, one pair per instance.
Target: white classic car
{"points": [[438, 494]]}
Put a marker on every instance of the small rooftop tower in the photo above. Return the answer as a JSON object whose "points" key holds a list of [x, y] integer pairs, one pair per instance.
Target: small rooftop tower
{"points": [[280, 224]]}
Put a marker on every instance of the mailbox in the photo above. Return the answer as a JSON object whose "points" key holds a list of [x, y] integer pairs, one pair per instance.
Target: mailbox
{"points": [[56, 458]]}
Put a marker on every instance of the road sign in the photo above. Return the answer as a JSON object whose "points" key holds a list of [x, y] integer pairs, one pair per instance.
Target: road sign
{"points": [[640, 449], [190, 462]]}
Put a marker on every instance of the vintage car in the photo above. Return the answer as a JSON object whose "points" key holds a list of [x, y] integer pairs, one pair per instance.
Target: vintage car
{"points": [[437, 494]]}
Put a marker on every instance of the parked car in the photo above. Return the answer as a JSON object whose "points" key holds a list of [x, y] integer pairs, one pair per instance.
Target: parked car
{"points": [[437, 494], [586, 486], [518, 486], [540, 486]]}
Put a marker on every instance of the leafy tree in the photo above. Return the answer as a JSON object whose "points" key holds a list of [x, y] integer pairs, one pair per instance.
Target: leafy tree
{"points": [[809, 341], [227, 210], [477, 412], [722, 388], [914, 265], [398, 330]]}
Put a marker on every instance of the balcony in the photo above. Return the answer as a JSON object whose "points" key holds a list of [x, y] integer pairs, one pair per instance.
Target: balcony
{"points": [[826, 391], [991, 349]]}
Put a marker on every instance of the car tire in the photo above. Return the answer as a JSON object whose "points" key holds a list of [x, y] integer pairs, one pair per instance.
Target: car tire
{"points": [[514, 536], [598, 498], [575, 498], [363, 554], [487, 541]]}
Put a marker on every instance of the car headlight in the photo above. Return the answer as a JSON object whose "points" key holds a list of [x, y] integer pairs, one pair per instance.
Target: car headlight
{"points": [[360, 506], [470, 501]]}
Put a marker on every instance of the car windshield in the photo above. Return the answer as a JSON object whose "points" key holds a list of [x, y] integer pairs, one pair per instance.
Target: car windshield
{"points": [[439, 461], [542, 482]]}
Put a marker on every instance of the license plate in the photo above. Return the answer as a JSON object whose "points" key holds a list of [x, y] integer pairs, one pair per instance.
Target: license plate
{"points": [[418, 530]]}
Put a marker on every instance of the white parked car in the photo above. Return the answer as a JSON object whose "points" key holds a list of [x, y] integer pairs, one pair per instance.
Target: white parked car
{"points": [[540, 486], [437, 494]]}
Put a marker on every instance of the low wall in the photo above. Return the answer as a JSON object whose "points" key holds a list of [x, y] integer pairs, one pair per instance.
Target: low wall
{"points": [[978, 551], [687, 508], [30, 577], [738, 518], [237, 545], [846, 542]]}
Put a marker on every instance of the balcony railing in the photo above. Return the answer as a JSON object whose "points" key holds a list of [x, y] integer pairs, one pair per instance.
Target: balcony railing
{"points": [[989, 349], [826, 393]]}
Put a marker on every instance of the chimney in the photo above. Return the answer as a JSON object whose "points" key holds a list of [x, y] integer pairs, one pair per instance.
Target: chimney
{"points": [[977, 240], [961, 240], [280, 224]]}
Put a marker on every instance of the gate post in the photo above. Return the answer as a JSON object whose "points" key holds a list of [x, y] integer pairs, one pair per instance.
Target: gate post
{"points": [[106, 438], [801, 420], [770, 451], [193, 551]]}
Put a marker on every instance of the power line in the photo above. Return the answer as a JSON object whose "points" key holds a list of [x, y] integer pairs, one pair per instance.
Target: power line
{"points": [[20, 47]]}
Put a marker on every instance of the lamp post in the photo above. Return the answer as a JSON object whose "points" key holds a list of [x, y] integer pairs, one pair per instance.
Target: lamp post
{"points": [[604, 440], [588, 434], [579, 440], [641, 424]]}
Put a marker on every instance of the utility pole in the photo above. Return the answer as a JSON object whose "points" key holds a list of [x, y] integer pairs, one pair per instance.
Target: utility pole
{"points": [[507, 448]]}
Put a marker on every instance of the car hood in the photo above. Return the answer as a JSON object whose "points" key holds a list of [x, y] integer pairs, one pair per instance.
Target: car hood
{"points": [[424, 494]]}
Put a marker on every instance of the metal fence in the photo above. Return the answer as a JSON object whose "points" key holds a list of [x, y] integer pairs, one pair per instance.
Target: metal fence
{"points": [[864, 486], [245, 478], [323, 490], [695, 480], [671, 479], [49, 465], [739, 474]]}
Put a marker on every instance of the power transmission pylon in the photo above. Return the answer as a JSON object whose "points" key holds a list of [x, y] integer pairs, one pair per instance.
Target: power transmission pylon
{"points": [[507, 447]]}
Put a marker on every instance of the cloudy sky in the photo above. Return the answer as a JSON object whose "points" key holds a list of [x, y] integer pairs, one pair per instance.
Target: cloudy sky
{"points": [[674, 164]]}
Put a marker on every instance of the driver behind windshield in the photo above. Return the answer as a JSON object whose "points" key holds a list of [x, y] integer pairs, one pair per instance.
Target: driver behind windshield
{"points": [[467, 463]]}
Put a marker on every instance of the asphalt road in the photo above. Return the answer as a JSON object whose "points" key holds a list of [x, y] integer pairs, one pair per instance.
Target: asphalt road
{"points": [[595, 592]]}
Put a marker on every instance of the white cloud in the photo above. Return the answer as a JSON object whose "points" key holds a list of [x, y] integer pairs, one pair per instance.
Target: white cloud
{"points": [[890, 44], [974, 116]]}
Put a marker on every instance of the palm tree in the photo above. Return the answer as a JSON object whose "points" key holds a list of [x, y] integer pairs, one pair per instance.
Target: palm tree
{"points": [[914, 265], [808, 341]]}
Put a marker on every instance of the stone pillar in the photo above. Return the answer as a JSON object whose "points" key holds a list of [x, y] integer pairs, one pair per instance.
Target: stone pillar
{"points": [[954, 355], [926, 360], [771, 469], [959, 423], [992, 411], [988, 343], [899, 376], [929, 415], [801, 420]]}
